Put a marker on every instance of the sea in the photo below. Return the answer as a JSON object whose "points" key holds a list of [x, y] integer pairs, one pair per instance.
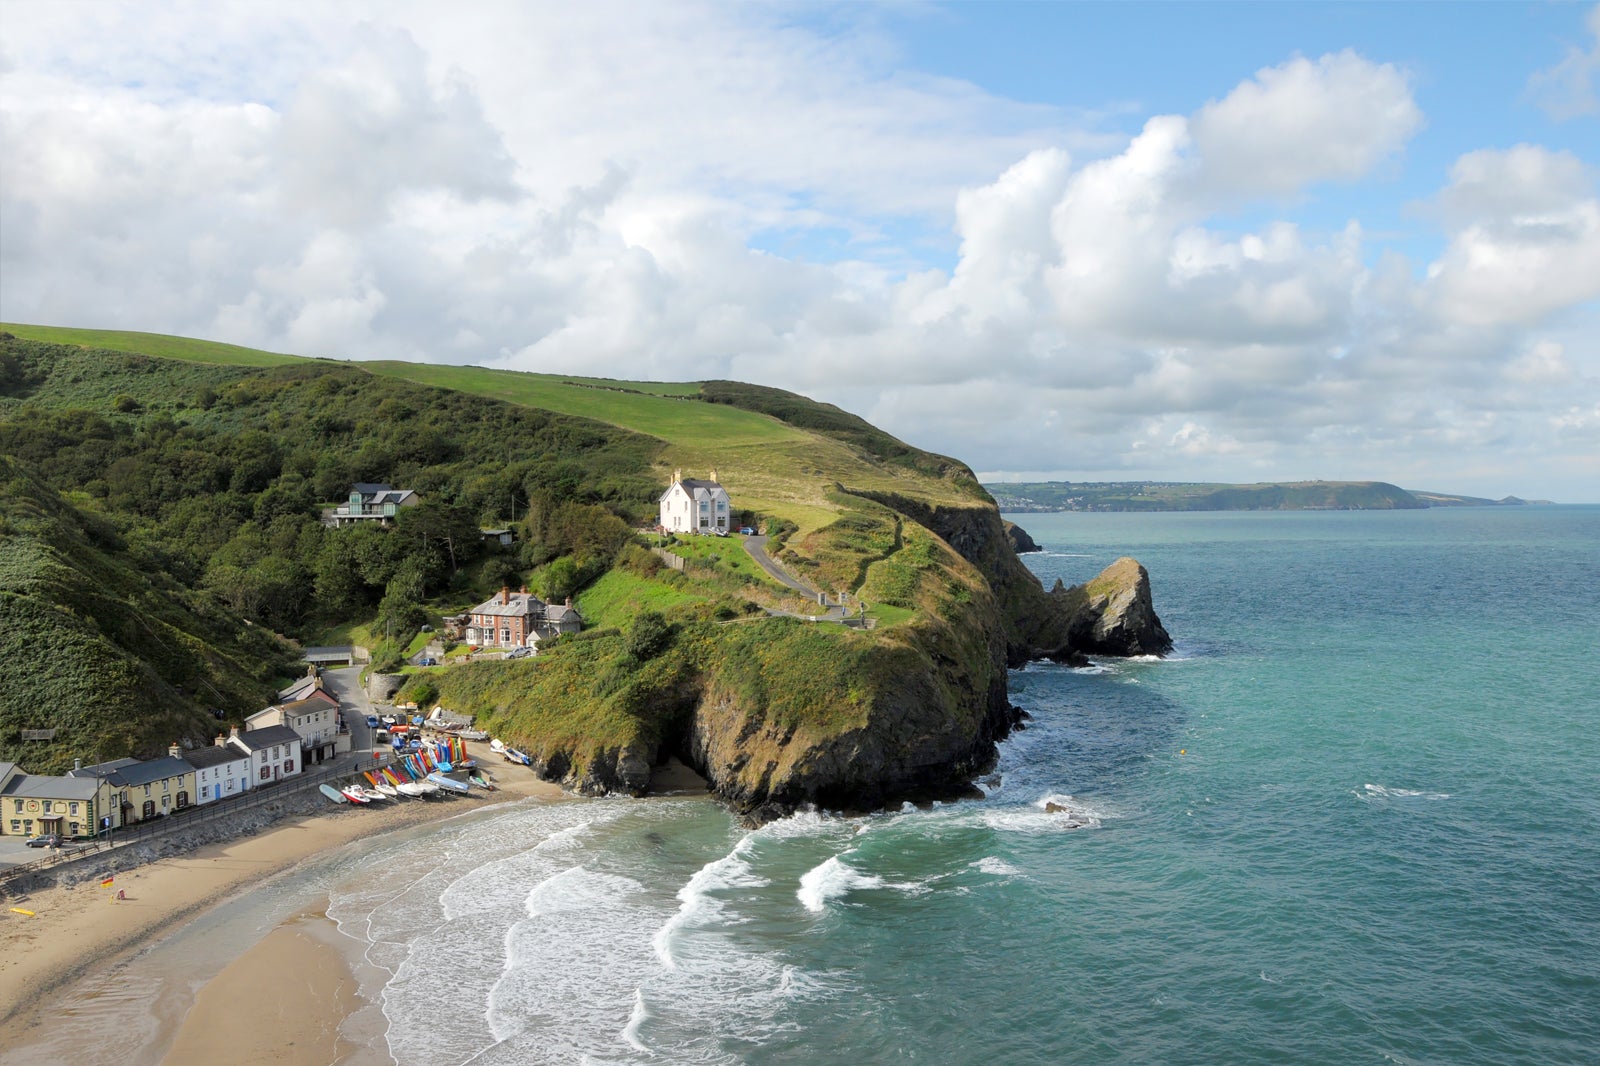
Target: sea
{"points": [[1353, 818]]}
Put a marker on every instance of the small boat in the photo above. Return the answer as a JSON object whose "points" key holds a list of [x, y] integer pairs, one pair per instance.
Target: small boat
{"points": [[479, 778], [513, 755], [448, 783], [354, 793], [374, 794], [333, 794], [472, 734], [497, 747], [412, 789], [388, 790]]}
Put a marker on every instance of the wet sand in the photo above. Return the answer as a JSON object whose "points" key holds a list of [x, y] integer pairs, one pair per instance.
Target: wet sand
{"points": [[81, 931]]}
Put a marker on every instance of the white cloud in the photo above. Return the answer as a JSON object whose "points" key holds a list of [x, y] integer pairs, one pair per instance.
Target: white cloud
{"points": [[1304, 121], [587, 189], [1525, 237], [1567, 90]]}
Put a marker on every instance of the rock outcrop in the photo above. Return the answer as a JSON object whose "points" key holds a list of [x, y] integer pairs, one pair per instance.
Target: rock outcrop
{"points": [[1117, 616], [1021, 543]]}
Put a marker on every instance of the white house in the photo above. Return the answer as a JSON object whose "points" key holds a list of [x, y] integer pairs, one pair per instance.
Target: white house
{"points": [[693, 505], [221, 771], [315, 719], [274, 752]]}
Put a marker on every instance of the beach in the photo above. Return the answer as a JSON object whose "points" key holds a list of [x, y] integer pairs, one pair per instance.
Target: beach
{"points": [[81, 931]]}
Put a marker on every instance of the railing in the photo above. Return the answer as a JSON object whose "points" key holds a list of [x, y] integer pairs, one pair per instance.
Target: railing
{"points": [[182, 818]]}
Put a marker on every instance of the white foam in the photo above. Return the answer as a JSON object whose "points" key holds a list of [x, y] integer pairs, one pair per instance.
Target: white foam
{"points": [[1381, 792], [640, 1015], [699, 905], [832, 880], [990, 864], [1072, 813]]}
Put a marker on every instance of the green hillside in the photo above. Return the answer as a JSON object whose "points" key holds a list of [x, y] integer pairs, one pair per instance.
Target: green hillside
{"points": [[211, 466], [104, 648]]}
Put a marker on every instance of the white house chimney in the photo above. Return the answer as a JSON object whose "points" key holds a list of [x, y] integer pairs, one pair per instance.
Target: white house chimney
{"points": [[222, 741], [713, 476], [77, 764], [175, 751], [677, 476]]}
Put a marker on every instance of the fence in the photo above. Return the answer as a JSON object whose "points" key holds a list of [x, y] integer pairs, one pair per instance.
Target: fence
{"points": [[181, 819]]}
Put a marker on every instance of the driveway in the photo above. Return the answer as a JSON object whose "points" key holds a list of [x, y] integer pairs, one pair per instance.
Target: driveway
{"points": [[757, 547], [345, 684]]}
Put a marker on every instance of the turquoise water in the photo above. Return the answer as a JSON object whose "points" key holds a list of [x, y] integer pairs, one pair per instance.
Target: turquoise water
{"points": [[1352, 820]]}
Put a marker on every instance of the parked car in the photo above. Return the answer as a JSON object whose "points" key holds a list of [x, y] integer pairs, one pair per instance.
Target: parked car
{"points": [[519, 653], [46, 840], [372, 721], [426, 661]]}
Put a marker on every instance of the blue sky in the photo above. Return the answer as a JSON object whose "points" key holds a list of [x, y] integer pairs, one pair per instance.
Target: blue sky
{"points": [[1224, 242]]}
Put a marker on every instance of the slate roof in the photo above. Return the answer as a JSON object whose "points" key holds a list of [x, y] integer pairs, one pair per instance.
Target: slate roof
{"points": [[101, 769], [522, 603], [144, 773], [370, 488], [257, 739], [206, 758], [43, 786]]}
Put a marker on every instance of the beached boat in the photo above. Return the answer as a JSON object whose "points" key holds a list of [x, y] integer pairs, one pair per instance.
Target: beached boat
{"points": [[472, 734], [374, 794], [354, 793], [513, 755], [448, 784], [388, 790], [479, 778], [333, 794], [497, 747], [412, 789]]}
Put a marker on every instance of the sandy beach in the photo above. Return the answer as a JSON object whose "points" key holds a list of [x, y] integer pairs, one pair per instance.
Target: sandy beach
{"points": [[79, 930]]}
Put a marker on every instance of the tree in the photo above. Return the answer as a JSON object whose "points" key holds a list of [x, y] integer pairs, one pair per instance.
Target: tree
{"points": [[649, 637]]}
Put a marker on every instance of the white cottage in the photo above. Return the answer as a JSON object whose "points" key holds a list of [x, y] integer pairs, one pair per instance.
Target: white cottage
{"points": [[693, 505], [220, 771]]}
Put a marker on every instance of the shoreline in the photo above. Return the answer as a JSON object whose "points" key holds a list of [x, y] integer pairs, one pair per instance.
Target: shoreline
{"points": [[78, 931]]}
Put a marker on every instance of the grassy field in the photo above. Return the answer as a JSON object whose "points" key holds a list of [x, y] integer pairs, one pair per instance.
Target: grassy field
{"points": [[117, 340], [769, 467]]}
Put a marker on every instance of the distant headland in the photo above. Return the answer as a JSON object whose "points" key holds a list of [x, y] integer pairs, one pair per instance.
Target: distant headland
{"points": [[1046, 496]]}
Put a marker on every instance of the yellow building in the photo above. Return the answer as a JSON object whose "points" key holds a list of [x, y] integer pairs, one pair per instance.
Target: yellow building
{"points": [[145, 789], [33, 804]]}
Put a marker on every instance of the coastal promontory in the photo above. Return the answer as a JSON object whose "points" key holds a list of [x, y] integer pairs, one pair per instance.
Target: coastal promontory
{"points": [[841, 637]]}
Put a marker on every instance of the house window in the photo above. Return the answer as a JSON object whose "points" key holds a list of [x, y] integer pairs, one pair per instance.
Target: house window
{"points": [[288, 767], [205, 793], [19, 806], [183, 800], [149, 809], [72, 808], [47, 806], [147, 790], [266, 772]]}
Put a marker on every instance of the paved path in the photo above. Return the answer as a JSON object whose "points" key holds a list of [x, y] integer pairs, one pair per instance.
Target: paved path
{"points": [[757, 547]]}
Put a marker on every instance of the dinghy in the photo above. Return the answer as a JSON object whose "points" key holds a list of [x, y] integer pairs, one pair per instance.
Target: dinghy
{"points": [[333, 794]]}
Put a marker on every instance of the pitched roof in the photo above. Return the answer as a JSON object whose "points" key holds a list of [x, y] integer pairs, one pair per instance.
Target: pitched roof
{"points": [[44, 786], [143, 773], [101, 769], [257, 739], [522, 603], [205, 758], [370, 488]]}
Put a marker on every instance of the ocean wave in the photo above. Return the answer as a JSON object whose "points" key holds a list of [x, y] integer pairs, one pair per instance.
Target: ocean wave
{"points": [[991, 864], [1370, 791], [832, 880], [698, 902], [640, 1015], [1052, 813]]}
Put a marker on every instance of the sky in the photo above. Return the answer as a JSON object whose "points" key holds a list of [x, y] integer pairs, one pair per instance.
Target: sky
{"points": [[1187, 242]]}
